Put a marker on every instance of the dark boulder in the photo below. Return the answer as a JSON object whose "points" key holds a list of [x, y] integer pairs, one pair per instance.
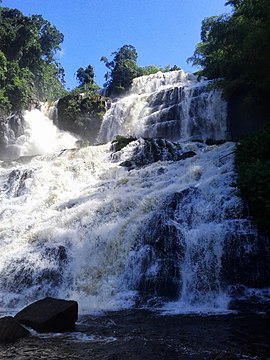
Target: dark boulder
{"points": [[50, 315], [186, 155], [11, 330], [148, 151], [120, 142], [246, 115]]}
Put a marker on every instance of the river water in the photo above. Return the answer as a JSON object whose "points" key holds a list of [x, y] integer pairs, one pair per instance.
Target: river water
{"points": [[144, 335]]}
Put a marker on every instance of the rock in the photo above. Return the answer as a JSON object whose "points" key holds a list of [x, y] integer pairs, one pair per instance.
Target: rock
{"points": [[81, 114], [251, 305], [11, 330], [11, 128], [186, 155], [160, 251], [245, 118], [148, 151], [50, 315], [245, 259], [120, 142]]}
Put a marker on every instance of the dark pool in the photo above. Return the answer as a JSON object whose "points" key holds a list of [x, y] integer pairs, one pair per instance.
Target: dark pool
{"points": [[141, 335]]}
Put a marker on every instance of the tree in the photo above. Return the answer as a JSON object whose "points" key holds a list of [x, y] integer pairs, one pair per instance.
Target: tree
{"points": [[29, 45], [235, 48], [48, 36], [122, 69], [85, 76]]}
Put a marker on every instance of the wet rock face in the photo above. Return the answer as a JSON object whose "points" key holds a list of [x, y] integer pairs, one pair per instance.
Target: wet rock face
{"points": [[50, 315], [246, 259], [160, 252], [11, 330], [15, 185], [160, 272], [11, 127], [149, 151], [22, 273], [172, 105]]}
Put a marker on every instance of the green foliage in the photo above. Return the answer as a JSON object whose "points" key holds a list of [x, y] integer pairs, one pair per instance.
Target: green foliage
{"points": [[235, 48], [80, 103], [18, 87], [123, 69], [3, 68], [85, 76], [27, 66], [152, 69], [253, 168]]}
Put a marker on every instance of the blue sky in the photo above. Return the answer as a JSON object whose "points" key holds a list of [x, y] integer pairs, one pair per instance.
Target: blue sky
{"points": [[164, 32]]}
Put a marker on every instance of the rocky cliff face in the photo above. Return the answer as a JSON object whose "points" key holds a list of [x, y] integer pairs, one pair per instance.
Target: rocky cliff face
{"points": [[11, 127]]}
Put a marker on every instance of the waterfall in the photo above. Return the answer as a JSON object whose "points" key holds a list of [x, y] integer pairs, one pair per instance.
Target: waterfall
{"points": [[156, 223], [172, 105], [50, 110], [34, 134]]}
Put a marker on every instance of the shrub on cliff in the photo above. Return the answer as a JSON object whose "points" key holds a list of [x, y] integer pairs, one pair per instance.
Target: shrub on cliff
{"points": [[82, 113], [253, 169], [235, 48]]}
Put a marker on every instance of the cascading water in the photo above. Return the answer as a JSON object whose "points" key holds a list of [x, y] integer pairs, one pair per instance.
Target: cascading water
{"points": [[152, 223], [37, 135], [173, 105]]}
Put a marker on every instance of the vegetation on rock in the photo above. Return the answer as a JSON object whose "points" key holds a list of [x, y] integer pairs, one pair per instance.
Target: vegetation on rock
{"points": [[253, 168], [81, 113], [235, 49]]}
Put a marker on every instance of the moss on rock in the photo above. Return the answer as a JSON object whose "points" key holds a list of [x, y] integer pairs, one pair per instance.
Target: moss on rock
{"points": [[82, 114]]}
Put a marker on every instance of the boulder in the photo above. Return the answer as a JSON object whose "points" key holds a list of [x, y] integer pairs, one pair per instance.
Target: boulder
{"points": [[81, 114], [148, 151], [50, 315], [11, 330]]}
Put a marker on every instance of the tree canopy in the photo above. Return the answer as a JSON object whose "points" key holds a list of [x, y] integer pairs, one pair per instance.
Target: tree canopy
{"points": [[123, 69], [235, 48], [28, 45], [85, 76]]}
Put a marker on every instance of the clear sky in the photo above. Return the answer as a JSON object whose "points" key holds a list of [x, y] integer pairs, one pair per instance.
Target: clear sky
{"points": [[164, 32]]}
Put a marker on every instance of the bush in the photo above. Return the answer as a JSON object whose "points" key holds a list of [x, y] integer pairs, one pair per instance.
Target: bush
{"points": [[253, 170]]}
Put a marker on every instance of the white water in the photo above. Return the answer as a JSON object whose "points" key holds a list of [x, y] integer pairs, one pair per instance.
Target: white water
{"points": [[76, 224], [172, 105], [82, 202], [40, 136]]}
